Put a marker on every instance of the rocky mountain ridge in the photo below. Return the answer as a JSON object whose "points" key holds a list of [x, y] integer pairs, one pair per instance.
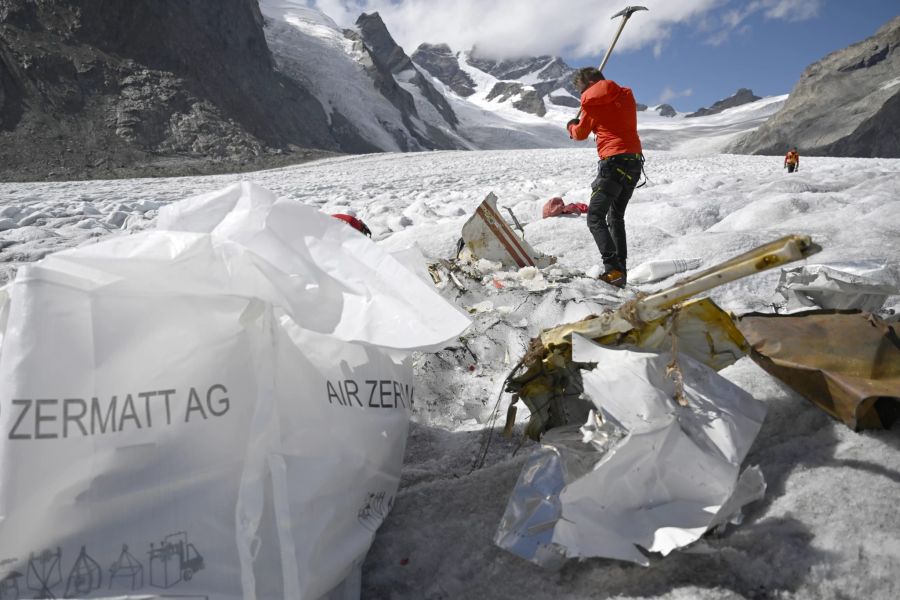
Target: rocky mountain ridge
{"points": [[101, 88], [531, 82], [389, 57], [740, 97], [846, 104]]}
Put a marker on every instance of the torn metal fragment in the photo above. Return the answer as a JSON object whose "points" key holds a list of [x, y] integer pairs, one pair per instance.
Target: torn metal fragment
{"points": [[487, 235], [840, 286], [845, 362]]}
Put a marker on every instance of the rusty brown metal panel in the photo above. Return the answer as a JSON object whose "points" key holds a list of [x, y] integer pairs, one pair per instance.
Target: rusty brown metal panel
{"points": [[846, 362]]}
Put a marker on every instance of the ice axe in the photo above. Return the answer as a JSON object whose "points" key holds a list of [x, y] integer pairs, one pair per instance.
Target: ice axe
{"points": [[625, 13]]}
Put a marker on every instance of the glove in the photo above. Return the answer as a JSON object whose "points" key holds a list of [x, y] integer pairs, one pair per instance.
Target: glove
{"points": [[573, 122]]}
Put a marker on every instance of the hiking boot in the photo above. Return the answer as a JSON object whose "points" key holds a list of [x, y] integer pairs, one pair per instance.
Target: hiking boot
{"points": [[614, 277]]}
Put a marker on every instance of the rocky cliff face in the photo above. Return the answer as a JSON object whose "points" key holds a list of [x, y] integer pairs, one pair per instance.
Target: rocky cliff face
{"points": [[389, 57], [847, 104], [742, 96], [443, 65], [96, 88], [528, 99]]}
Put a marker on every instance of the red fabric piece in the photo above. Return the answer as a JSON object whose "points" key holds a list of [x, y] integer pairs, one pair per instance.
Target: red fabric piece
{"points": [[553, 207], [577, 208], [353, 222], [556, 206], [610, 112]]}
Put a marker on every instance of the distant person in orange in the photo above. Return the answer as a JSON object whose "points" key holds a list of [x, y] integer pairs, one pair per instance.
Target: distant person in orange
{"points": [[792, 161], [610, 112]]}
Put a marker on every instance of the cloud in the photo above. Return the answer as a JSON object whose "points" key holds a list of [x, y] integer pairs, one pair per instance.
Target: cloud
{"points": [[669, 94], [719, 37], [787, 10], [577, 28]]}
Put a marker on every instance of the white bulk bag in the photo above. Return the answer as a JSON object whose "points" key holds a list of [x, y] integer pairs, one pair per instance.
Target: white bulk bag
{"points": [[218, 407]]}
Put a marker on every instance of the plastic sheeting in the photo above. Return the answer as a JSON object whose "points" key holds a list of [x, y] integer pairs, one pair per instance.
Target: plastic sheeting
{"points": [[650, 475], [215, 409], [842, 286], [656, 270]]}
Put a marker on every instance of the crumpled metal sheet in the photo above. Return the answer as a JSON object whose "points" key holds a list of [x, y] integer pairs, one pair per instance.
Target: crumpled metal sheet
{"points": [[845, 362], [702, 330], [650, 476], [551, 388], [843, 286], [534, 507]]}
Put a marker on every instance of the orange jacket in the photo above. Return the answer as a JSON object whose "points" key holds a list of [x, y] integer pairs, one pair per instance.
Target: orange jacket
{"points": [[609, 111], [792, 158]]}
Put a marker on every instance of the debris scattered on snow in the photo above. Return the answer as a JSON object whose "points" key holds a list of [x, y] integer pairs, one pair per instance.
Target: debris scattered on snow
{"points": [[858, 286], [548, 380]]}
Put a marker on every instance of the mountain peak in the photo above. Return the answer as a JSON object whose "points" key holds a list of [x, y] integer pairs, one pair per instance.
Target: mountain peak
{"points": [[376, 36], [442, 64], [742, 96], [845, 104]]}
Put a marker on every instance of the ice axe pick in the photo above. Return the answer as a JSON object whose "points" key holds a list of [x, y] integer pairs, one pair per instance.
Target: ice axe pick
{"points": [[625, 13]]}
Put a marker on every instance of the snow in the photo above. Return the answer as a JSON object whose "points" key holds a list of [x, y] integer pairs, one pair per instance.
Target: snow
{"points": [[704, 135], [827, 527], [533, 76], [889, 84]]}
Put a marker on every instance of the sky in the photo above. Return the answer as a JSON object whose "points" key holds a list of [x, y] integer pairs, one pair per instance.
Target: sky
{"points": [[688, 53]]}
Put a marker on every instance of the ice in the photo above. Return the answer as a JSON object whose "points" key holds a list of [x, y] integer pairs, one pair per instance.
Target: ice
{"points": [[827, 525]]}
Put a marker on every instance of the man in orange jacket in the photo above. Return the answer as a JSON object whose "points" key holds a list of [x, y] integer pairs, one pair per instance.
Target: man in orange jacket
{"points": [[610, 112], [792, 161]]}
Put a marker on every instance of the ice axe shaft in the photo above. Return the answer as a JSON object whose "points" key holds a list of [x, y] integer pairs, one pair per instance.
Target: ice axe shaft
{"points": [[625, 13]]}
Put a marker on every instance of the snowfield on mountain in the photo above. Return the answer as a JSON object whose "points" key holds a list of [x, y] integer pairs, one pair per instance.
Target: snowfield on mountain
{"points": [[826, 528], [315, 51]]}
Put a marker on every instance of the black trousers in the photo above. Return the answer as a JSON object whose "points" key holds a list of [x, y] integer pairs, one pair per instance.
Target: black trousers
{"points": [[616, 178], [791, 167]]}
